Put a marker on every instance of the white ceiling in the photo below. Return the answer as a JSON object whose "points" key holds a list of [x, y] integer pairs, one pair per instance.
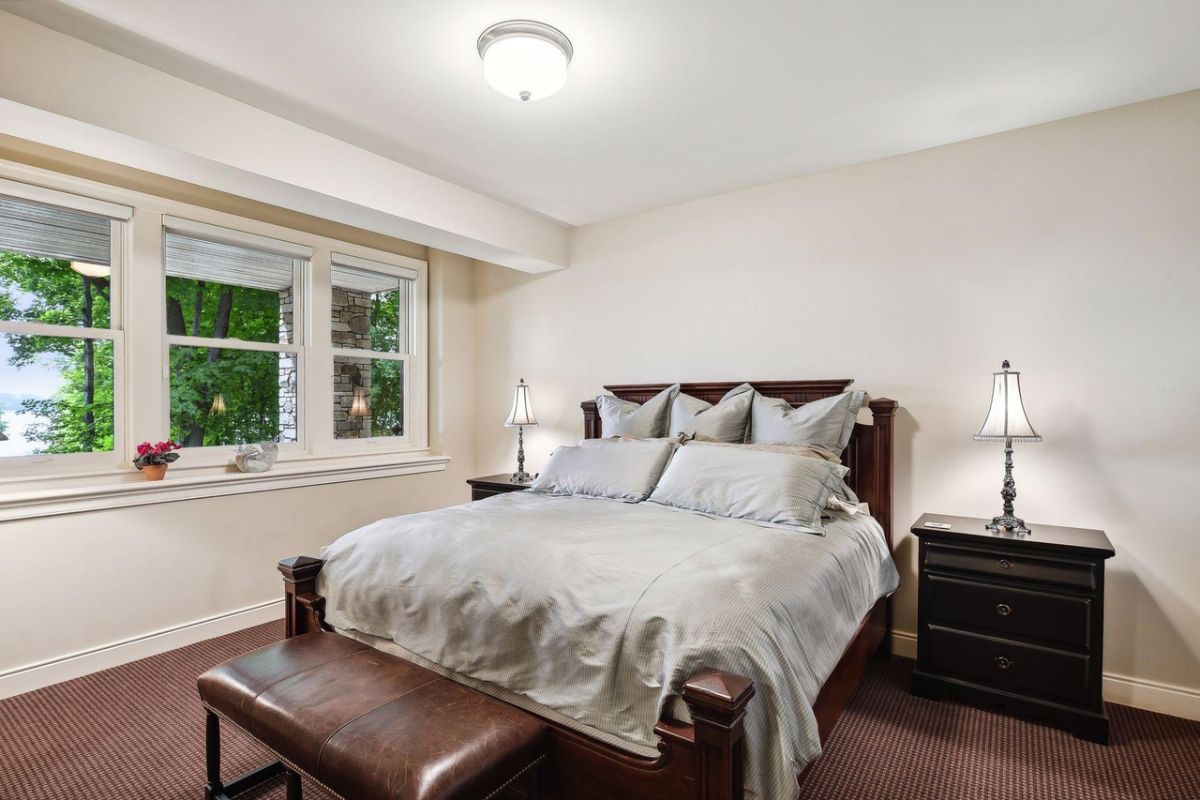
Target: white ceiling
{"points": [[667, 100]]}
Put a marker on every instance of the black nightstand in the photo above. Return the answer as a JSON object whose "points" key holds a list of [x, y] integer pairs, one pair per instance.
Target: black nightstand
{"points": [[492, 485], [1014, 622]]}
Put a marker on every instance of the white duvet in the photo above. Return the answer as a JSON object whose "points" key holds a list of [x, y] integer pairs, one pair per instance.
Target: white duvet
{"points": [[594, 612]]}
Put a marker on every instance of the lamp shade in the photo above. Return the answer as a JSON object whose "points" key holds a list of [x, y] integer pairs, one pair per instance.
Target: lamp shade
{"points": [[359, 406], [218, 404], [1006, 418], [522, 411], [92, 270]]}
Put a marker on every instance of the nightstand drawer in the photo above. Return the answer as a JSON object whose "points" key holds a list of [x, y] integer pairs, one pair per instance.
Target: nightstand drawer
{"points": [[1008, 665], [1008, 610], [1003, 564]]}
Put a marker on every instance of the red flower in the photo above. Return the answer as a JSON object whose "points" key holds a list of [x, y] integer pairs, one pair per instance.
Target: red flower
{"points": [[143, 448]]}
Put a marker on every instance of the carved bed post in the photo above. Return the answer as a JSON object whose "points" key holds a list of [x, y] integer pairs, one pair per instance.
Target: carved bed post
{"points": [[591, 419], [718, 701], [304, 609], [883, 412]]}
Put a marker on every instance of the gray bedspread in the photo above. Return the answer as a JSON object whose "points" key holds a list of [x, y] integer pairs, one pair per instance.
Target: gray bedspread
{"points": [[596, 611]]}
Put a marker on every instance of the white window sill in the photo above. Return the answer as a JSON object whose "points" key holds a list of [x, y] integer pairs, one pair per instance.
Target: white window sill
{"points": [[52, 496]]}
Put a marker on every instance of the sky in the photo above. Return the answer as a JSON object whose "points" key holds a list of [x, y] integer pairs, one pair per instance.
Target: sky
{"points": [[36, 380]]}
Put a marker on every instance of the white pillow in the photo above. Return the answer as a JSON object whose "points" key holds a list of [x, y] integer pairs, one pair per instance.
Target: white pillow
{"points": [[645, 421], [622, 470], [726, 421], [778, 488], [826, 423]]}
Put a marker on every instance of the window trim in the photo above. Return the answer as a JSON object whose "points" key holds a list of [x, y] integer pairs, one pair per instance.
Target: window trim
{"points": [[407, 269], [39, 464], [301, 255], [141, 406]]}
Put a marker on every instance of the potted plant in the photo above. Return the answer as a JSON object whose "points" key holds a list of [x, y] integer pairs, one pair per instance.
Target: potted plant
{"points": [[153, 459]]}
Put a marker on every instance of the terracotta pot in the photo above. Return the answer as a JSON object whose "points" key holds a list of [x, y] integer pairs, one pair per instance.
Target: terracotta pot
{"points": [[155, 472]]}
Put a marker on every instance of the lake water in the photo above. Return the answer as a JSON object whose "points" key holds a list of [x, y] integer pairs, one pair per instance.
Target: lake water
{"points": [[15, 425]]}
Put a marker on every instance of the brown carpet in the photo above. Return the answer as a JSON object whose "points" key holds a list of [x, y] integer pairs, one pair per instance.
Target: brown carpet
{"points": [[136, 731]]}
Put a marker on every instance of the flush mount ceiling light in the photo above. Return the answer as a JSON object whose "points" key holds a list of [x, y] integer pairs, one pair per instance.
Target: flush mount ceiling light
{"points": [[524, 59]]}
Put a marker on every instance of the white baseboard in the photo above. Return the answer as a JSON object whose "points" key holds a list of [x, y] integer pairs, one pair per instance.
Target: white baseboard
{"points": [[1178, 701], [73, 665], [904, 644]]}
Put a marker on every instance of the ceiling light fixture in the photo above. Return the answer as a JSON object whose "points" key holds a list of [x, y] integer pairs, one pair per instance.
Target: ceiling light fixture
{"points": [[91, 270], [524, 59]]}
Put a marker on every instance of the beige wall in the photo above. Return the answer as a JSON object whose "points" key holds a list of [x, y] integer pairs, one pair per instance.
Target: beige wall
{"points": [[86, 580], [89, 580], [1071, 248]]}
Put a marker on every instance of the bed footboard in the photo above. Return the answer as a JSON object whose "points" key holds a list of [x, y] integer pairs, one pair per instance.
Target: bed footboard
{"points": [[701, 761]]}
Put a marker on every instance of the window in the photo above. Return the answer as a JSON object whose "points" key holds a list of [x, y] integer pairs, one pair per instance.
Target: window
{"points": [[60, 339], [232, 316], [371, 328], [163, 320]]}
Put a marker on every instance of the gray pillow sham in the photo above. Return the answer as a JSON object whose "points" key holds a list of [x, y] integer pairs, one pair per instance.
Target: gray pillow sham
{"points": [[826, 423], [727, 421], [622, 470], [646, 421], [777, 488]]}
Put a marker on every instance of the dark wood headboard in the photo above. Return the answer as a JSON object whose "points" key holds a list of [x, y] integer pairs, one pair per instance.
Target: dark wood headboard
{"points": [[869, 454]]}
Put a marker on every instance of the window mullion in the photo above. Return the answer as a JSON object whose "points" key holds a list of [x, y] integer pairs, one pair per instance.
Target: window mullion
{"points": [[318, 380], [144, 321]]}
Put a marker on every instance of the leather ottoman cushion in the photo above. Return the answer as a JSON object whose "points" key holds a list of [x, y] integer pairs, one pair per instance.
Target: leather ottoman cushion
{"points": [[370, 725]]}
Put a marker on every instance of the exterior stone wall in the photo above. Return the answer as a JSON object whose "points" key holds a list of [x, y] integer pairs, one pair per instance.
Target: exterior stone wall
{"points": [[288, 387], [351, 325]]}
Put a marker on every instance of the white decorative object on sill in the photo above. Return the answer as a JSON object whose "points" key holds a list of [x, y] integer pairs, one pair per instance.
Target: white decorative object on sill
{"points": [[256, 457]]}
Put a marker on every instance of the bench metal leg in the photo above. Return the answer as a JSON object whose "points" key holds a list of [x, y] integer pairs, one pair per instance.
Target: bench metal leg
{"points": [[535, 782], [212, 756], [294, 788], [214, 789]]}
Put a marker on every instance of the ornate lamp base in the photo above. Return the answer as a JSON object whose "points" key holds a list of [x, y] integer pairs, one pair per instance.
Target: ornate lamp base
{"points": [[521, 476], [1007, 522]]}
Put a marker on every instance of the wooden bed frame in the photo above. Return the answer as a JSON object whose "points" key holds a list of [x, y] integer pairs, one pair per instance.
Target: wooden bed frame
{"points": [[703, 760]]}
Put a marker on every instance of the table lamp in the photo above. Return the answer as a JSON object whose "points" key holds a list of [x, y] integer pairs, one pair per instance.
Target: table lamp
{"points": [[520, 417], [1007, 422]]}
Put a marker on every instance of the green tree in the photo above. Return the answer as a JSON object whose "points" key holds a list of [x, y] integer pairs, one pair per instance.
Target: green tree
{"points": [[387, 377], [247, 381], [79, 417]]}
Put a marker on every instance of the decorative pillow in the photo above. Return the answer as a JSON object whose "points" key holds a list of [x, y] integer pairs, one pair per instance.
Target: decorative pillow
{"points": [[826, 423], [613, 468], [645, 421], [725, 422], [742, 483], [808, 450]]}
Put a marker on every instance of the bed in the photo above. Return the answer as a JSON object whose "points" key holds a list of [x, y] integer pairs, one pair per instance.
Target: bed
{"points": [[675, 643]]}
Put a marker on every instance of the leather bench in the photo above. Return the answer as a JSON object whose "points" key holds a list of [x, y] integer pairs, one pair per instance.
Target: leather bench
{"points": [[366, 724]]}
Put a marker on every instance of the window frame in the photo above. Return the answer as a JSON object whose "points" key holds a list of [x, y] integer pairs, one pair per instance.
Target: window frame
{"points": [[406, 269], [141, 355], [118, 216], [210, 455]]}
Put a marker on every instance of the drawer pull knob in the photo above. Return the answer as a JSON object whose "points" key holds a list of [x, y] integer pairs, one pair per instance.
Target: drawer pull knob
{"points": [[1003, 662], [1003, 609], [1005, 563]]}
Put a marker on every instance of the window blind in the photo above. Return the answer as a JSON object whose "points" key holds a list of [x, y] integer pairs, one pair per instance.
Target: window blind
{"points": [[49, 232], [205, 260]]}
